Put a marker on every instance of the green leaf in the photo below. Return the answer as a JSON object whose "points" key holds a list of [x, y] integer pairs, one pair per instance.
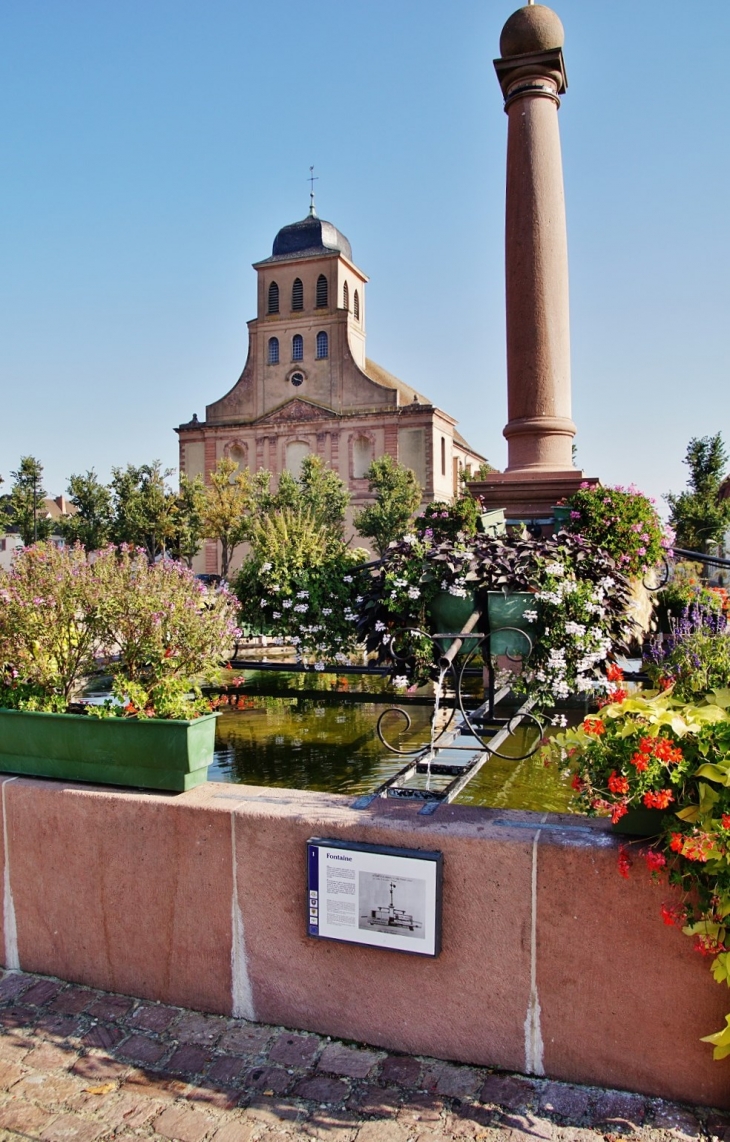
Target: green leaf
{"points": [[722, 698], [691, 814], [720, 1040], [721, 968], [715, 773]]}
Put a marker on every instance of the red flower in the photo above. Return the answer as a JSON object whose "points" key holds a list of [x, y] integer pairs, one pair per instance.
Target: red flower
{"points": [[620, 810], [654, 860], [658, 800], [646, 745], [640, 761], [624, 864], [594, 726], [618, 784], [726, 820], [709, 946], [672, 915], [677, 843], [577, 783], [614, 673]]}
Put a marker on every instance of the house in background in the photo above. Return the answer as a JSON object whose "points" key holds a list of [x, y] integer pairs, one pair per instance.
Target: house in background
{"points": [[309, 387], [53, 509]]}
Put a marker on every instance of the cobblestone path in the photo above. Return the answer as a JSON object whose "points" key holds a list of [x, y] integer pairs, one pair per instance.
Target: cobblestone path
{"points": [[77, 1065]]}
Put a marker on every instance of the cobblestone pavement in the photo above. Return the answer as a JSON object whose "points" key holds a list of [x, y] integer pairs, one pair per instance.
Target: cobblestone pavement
{"points": [[77, 1065]]}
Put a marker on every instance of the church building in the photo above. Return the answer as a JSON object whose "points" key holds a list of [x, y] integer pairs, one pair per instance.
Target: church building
{"points": [[308, 385]]}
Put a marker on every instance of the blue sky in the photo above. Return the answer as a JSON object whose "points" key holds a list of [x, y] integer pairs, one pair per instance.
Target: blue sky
{"points": [[152, 149]]}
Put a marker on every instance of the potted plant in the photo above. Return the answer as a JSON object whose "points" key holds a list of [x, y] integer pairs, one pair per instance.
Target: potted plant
{"points": [[665, 761], [565, 593], [155, 629]]}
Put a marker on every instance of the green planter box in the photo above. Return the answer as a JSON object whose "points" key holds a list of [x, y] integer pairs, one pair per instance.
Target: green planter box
{"points": [[148, 754], [450, 612]]}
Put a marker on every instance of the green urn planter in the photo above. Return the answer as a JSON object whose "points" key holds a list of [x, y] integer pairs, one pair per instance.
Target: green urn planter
{"points": [[450, 613], [146, 753]]}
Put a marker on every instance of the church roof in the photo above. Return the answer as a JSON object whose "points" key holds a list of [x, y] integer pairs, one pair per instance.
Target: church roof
{"points": [[306, 239], [382, 377]]}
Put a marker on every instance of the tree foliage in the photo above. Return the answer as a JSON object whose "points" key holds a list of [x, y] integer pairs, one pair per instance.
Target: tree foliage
{"points": [[397, 496], [226, 508], [26, 508], [189, 519], [144, 508], [91, 523], [699, 515]]}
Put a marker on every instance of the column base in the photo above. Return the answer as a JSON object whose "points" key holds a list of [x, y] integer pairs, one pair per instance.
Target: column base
{"points": [[526, 495]]}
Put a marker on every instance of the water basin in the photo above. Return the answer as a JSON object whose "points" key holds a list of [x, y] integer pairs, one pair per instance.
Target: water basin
{"points": [[318, 732]]}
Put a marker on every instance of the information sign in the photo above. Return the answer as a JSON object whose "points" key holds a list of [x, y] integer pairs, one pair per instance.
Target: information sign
{"points": [[372, 894]]}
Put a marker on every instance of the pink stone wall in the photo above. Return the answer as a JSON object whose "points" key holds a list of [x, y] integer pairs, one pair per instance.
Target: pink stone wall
{"points": [[551, 963]]}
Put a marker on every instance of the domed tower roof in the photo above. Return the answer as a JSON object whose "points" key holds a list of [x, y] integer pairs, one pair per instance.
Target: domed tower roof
{"points": [[309, 237]]}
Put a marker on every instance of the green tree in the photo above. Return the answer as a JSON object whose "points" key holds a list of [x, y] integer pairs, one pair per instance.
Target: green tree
{"points": [[397, 495], [190, 519], [698, 515], [27, 509], [91, 524], [318, 492], [227, 508], [144, 508]]}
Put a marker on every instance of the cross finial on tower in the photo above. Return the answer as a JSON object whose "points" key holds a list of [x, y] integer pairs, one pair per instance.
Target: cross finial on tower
{"points": [[311, 180]]}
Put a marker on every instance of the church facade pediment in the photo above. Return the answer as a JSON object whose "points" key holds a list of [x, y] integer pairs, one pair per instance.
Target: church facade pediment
{"points": [[296, 410]]}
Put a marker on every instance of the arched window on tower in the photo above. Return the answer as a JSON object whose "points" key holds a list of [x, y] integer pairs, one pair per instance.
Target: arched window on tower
{"points": [[323, 346], [273, 350], [346, 297], [297, 294], [356, 306], [273, 306], [297, 347], [322, 294]]}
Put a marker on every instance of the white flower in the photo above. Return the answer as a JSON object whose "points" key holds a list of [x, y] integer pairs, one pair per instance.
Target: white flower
{"points": [[379, 626], [409, 538], [276, 587], [347, 578], [531, 616], [266, 566], [286, 604], [575, 628], [400, 682], [263, 603], [276, 614], [414, 593], [358, 599], [326, 610], [303, 595], [319, 666], [559, 720], [556, 569], [302, 608]]}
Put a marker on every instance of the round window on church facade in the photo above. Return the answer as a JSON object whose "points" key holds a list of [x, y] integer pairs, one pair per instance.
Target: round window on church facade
{"points": [[297, 379]]}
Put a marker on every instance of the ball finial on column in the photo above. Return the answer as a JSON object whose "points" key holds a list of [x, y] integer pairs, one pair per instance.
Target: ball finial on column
{"points": [[534, 28]]}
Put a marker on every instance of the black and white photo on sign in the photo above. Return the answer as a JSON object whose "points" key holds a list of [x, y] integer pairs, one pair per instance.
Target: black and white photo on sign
{"points": [[392, 904]]}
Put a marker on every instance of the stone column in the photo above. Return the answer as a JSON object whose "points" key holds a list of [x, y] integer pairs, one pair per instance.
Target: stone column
{"points": [[532, 76], [539, 430]]}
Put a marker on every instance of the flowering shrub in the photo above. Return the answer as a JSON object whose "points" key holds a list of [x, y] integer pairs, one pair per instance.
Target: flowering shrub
{"points": [[299, 584], [623, 521], [154, 628], [654, 751], [441, 521], [580, 603], [695, 657]]}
